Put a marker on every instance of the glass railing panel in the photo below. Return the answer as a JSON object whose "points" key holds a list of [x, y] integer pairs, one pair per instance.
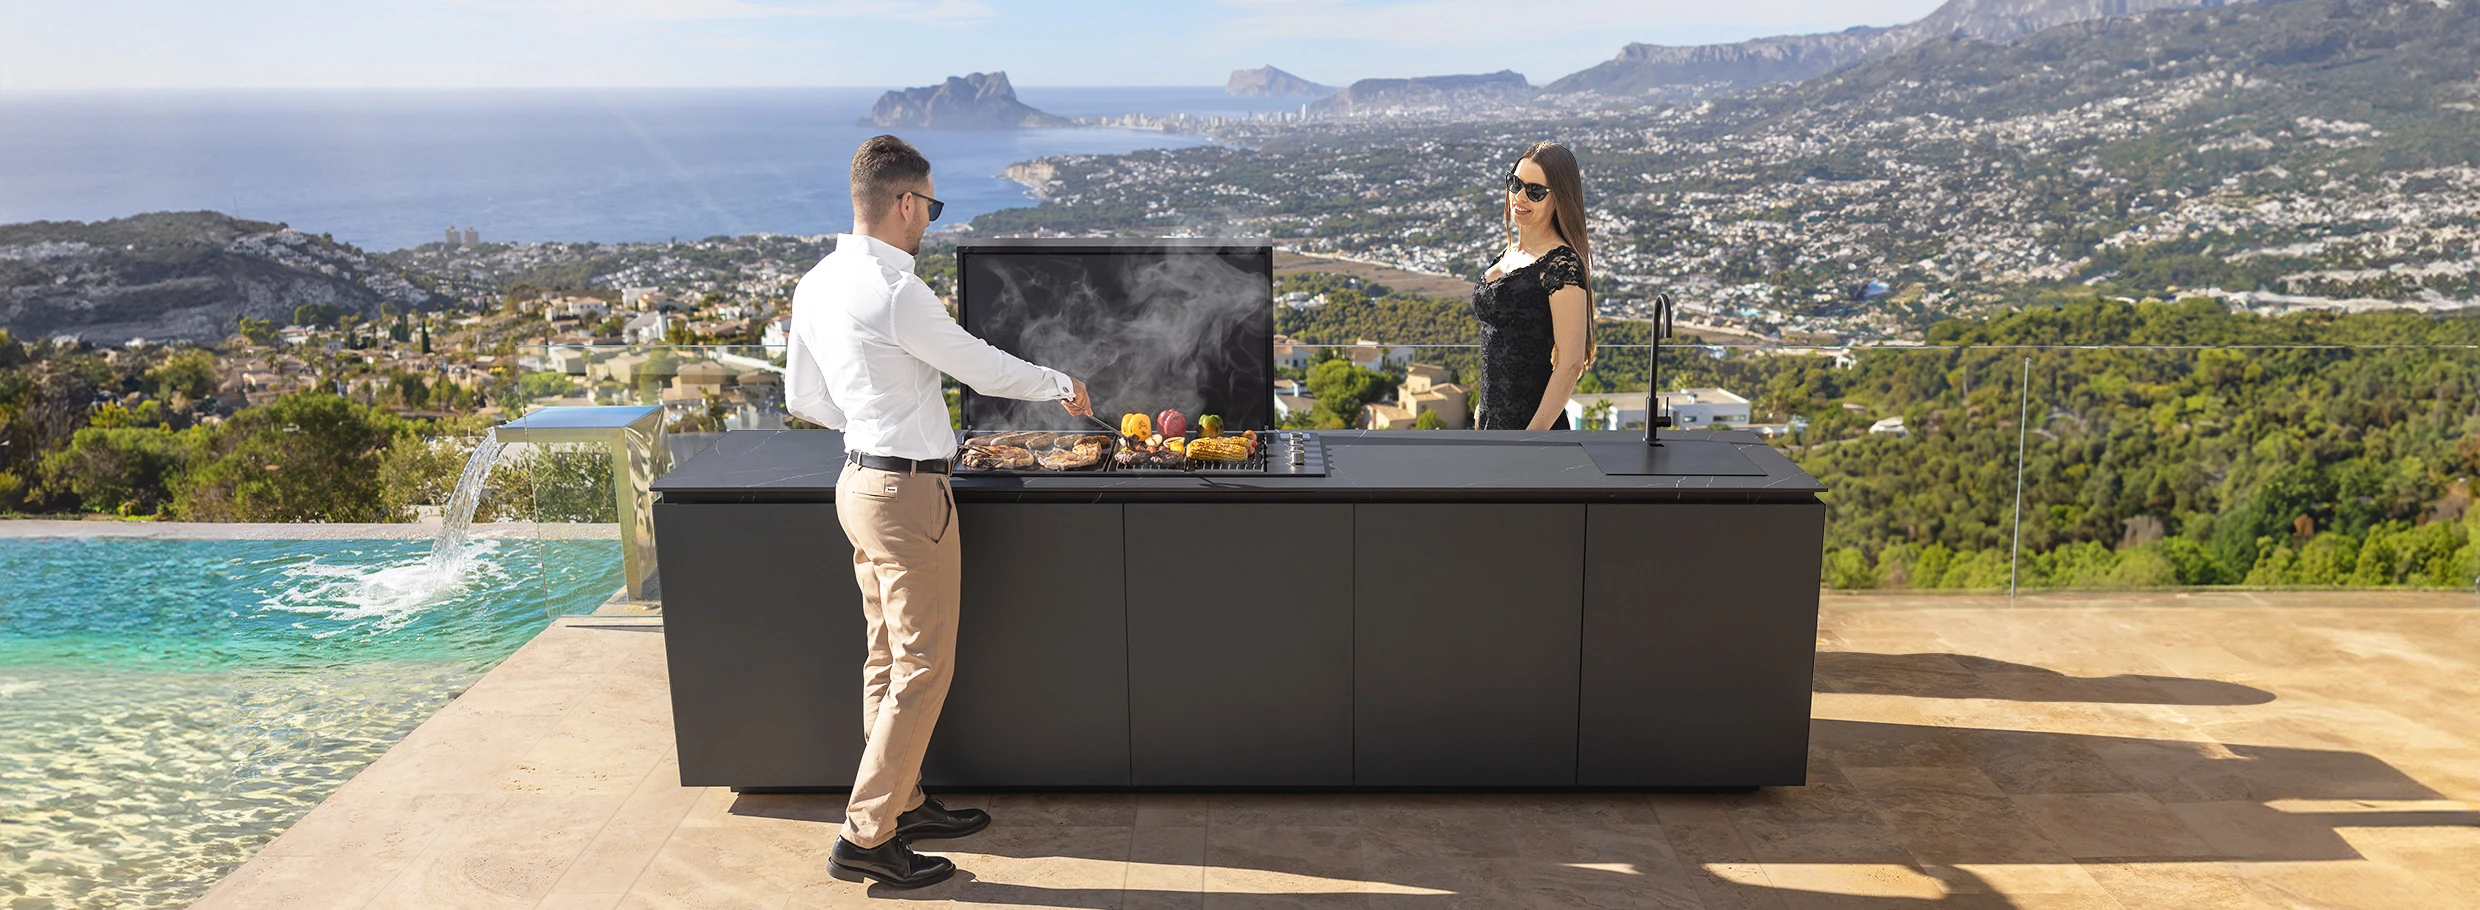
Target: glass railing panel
{"points": [[2136, 463], [2293, 466]]}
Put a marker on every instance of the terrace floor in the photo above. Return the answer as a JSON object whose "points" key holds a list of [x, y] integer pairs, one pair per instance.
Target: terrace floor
{"points": [[2135, 751]]}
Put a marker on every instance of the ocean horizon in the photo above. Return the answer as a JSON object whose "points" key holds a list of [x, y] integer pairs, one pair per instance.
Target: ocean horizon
{"points": [[387, 169]]}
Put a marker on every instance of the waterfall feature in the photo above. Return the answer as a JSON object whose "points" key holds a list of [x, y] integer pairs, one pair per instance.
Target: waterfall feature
{"points": [[448, 552]]}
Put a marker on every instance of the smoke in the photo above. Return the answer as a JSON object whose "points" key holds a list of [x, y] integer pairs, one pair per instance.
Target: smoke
{"points": [[1146, 328]]}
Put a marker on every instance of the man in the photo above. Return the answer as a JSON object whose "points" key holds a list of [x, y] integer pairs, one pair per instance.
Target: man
{"points": [[868, 343]]}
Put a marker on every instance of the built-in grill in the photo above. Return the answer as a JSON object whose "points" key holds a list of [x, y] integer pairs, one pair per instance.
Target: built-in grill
{"points": [[1033, 445], [1149, 325], [1280, 453]]}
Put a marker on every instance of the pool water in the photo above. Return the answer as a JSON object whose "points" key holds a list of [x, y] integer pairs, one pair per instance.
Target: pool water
{"points": [[167, 707]]}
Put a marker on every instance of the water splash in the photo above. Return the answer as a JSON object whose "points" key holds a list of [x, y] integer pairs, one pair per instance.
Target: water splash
{"points": [[456, 526], [386, 596], [394, 594]]}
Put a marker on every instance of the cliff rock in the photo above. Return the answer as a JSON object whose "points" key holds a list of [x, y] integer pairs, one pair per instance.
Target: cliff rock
{"points": [[976, 102]]}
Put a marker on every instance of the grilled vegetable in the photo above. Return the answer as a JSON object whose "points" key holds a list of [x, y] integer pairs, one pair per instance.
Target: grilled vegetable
{"points": [[1209, 424], [1176, 445], [1137, 425], [1171, 423]]}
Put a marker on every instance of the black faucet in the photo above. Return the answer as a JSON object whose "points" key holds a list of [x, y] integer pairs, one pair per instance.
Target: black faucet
{"points": [[1661, 328]]}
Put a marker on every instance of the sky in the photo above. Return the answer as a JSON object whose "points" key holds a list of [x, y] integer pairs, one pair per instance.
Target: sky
{"points": [[52, 45]]}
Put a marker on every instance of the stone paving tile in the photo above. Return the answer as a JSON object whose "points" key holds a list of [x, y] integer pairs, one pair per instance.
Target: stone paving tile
{"points": [[2097, 751]]}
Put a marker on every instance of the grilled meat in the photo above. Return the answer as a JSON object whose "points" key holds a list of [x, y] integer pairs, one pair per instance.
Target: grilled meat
{"points": [[1082, 455], [982, 457]]}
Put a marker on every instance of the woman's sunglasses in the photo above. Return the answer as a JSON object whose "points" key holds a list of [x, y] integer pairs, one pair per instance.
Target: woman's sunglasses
{"points": [[936, 206], [1532, 191]]}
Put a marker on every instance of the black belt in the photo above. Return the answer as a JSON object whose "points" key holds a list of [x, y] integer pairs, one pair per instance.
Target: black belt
{"points": [[898, 465]]}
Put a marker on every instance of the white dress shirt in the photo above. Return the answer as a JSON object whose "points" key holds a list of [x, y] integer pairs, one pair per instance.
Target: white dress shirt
{"points": [[868, 343]]}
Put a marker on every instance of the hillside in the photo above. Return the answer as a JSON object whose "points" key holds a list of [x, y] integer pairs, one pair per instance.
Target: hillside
{"points": [[1438, 92], [2318, 153], [1667, 71], [179, 275]]}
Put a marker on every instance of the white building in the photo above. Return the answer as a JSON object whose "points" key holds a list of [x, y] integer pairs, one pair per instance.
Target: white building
{"points": [[1696, 409], [1690, 409], [1621, 410], [572, 361], [646, 328], [1377, 356], [1892, 426], [579, 308], [1288, 354]]}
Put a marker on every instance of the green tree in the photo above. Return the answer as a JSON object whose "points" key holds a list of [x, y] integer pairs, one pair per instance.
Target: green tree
{"points": [[1429, 420], [111, 415], [1341, 387], [189, 372], [311, 456], [534, 385], [411, 388], [126, 469], [258, 331]]}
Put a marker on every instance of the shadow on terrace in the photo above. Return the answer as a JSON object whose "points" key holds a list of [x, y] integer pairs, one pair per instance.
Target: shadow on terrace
{"points": [[1941, 812]]}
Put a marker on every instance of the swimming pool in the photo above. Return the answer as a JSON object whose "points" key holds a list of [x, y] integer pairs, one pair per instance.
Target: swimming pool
{"points": [[167, 707]]}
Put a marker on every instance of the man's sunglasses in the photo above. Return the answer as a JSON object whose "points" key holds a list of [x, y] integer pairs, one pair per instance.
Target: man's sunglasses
{"points": [[936, 206], [1532, 191]]}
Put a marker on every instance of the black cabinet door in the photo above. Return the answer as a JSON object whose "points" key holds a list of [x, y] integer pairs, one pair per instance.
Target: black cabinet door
{"points": [[1240, 644], [1700, 640], [763, 633], [1041, 690], [1466, 636]]}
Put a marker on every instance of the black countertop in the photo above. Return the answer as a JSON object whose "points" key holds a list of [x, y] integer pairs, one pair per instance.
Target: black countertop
{"points": [[1362, 466]]}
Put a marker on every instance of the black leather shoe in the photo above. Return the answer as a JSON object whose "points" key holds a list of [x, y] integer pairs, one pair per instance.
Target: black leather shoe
{"points": [[892, 864], [932, 821]]}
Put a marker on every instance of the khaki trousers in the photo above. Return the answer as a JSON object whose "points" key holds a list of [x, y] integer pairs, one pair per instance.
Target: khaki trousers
{"points": [[911, 572]]}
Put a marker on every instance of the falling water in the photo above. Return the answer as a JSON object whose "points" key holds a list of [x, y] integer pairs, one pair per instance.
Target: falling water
{"points": [[449, 551], [385, 596]]}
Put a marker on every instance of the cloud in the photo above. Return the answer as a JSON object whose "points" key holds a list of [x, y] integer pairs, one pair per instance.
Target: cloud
{"points": [[939, 12]]}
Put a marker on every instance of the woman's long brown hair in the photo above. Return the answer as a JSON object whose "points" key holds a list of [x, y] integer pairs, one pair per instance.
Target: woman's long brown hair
{"points": [[1566, 181]]}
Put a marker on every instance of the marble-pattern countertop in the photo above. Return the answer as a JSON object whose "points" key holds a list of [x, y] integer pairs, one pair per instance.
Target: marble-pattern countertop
{"points": [[1468, 465]]}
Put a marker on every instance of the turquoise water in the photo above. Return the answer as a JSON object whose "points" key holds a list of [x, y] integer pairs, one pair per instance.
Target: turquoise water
{"points": [[169, 706]]}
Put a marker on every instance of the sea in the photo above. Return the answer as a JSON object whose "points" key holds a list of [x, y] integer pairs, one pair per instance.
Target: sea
{"points": [[388, 170]]}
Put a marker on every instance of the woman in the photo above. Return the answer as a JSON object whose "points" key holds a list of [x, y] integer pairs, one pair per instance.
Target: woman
{"points": [[1535, 308]]}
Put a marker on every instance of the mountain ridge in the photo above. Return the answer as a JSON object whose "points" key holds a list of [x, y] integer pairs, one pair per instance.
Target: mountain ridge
{"points": [[1690, 70]]}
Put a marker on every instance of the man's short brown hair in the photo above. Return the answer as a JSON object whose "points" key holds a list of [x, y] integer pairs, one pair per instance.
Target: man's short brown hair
{"points": [[883, 170]]}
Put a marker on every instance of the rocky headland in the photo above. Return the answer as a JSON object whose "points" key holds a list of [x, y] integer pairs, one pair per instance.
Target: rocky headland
{"points": [[981, 101]]}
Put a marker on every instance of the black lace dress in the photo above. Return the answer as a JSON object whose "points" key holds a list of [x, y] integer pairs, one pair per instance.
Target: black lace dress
{"points": [[1516, 338]]}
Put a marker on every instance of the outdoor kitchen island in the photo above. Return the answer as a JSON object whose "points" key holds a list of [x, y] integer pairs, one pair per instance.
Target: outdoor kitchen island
{"points": [[1440, 609]]}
